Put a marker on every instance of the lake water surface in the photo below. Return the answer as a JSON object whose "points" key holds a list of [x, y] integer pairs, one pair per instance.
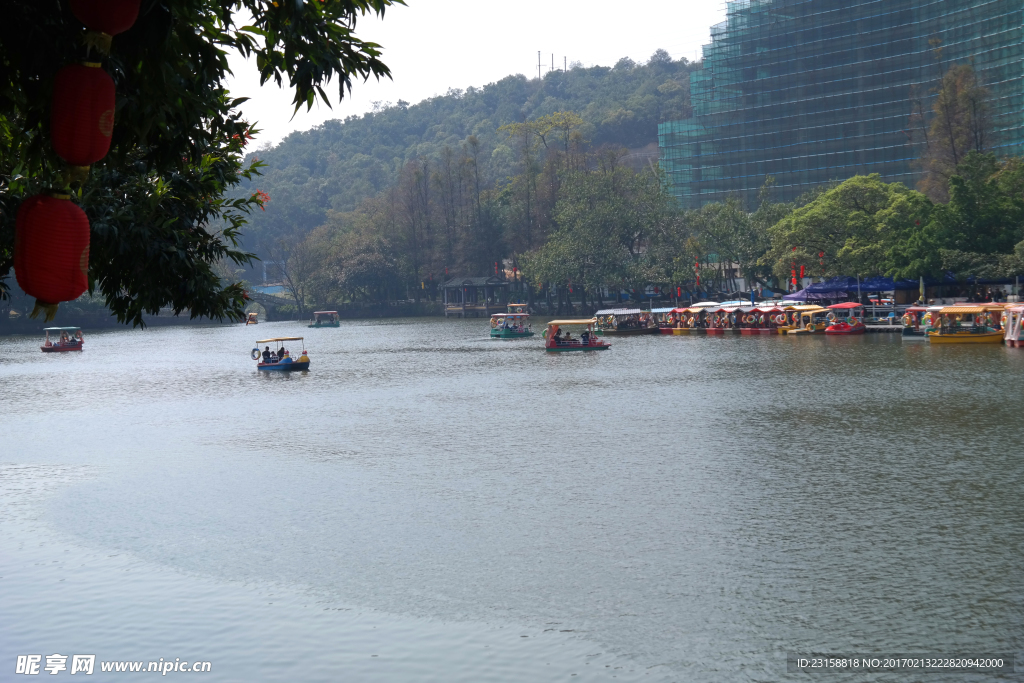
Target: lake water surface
{"points": [[427, 504]]}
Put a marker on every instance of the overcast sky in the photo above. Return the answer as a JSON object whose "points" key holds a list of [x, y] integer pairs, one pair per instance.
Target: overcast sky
{"points": [[434, 45]]}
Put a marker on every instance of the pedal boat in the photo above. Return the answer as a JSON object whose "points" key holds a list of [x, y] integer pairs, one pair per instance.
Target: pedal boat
{"points": [[624, 321], [66, 339], [915, 323], [325, 319], [846, 319], [967, 324], [808, 320], [587, 340], [285, 362], [1013, 324], [512, 325]]}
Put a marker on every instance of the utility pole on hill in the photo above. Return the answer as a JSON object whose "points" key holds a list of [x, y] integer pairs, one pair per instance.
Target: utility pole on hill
{"points": [[538, 64]]}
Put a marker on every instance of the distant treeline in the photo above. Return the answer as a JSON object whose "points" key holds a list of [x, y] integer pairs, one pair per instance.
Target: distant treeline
{"points": [[334, 167]]}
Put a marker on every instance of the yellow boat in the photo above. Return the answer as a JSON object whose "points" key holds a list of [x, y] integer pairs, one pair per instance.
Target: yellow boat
{"points": [[967, 324], [810, 319]]}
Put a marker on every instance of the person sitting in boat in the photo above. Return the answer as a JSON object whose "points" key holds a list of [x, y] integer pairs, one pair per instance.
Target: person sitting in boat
{"points": [[266, 354], [585, 338], [568, 338], [558, 336]]}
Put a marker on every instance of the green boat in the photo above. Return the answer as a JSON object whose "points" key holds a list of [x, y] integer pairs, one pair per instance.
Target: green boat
{"points": [[325, 319], [515, 324]]}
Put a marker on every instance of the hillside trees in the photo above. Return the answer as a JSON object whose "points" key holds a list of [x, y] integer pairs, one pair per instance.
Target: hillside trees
{"points": [[334, 167], [156, 202], [605, 219]]}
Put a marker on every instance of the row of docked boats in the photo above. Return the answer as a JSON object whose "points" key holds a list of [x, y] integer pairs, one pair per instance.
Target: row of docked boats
{"points": [[990, 323]]}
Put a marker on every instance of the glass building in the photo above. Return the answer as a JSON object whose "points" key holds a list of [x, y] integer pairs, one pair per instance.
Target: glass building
{"points": [[810, 91]]}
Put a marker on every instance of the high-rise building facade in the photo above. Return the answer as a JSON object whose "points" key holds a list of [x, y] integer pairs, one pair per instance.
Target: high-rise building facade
{"points": [[811, 91]]}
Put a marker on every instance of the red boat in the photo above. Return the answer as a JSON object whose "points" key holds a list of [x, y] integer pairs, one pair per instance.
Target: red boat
{"points": [[65, 339], [846, 319]]}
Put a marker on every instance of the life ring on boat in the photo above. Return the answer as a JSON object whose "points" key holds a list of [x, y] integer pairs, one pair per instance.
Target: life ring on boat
{"points": [[780, 319], [853, 321], [749, 319], [255, 353], [907, 322], [831, 317], [809, 327]]}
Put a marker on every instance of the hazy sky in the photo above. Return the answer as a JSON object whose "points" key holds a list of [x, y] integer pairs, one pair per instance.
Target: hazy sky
{"points": [[434, 45]]}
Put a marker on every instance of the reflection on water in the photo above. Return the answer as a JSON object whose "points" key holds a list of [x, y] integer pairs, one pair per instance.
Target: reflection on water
{"points": [[676, 508]]}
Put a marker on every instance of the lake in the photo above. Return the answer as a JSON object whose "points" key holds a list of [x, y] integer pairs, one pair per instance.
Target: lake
{"points": [[427, 504]]}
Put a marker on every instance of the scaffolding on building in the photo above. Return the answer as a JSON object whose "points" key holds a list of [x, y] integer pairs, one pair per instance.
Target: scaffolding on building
{"points": [[814, 91]]}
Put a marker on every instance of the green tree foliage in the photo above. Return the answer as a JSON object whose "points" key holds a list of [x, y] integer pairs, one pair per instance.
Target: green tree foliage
{"points": [[867, 226], [156, 203], [852, 227], [337, 165], [605, 219]]}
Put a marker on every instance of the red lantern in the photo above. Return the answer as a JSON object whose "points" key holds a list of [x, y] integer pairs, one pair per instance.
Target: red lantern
{"points": [[83, 113], [801, 271], [106, 16], [51, 251]]}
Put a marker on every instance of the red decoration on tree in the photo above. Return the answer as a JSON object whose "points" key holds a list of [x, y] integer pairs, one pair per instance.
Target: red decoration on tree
{"points": [[83, 113], [801, 271], [51, 251], [106, 16]]}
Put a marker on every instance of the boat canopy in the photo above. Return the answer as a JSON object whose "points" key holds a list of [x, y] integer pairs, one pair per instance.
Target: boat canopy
{"points": [[620, 311], [510, 315], [916, 309], [279, 339], [61, 329], [704, 304], [586, 321], [662, 310], [325, 313], [968, 309], [846, 304]]}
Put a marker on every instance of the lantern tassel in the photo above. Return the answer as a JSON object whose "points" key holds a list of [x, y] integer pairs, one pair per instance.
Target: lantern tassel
{"points": [[99, 41], [42, 307]]}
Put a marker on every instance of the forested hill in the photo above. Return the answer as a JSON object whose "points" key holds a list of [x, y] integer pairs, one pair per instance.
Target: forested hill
{"points": [[337, 165]]}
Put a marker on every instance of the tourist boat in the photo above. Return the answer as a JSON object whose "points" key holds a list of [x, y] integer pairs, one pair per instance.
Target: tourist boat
{"points": [[761, 319], [1013, 325], [325, 319], [511, 325], [252, 319], [846, 319], [665, 319], [680, 318], [968, 324], [65, 339], [915, 321], [587, 340], [281, 358], [722, 320], [810, 320], [624, 321]]}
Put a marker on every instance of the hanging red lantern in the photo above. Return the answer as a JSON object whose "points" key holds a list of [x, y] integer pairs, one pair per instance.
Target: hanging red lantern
{"points": [[51, 251], [106, 16], [82, 119], [801, 271]]}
